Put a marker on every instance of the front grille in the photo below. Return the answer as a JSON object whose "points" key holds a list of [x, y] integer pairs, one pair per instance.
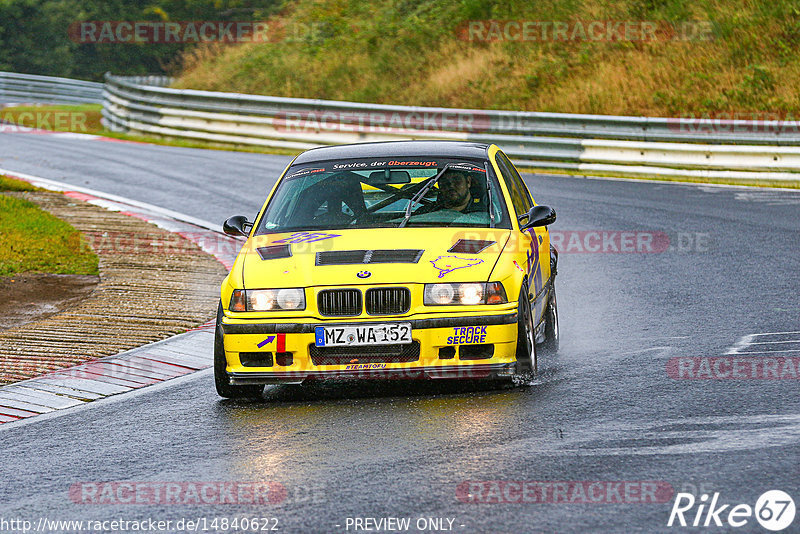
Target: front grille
{"points": [[388, 300], [401, 353], [361, 257], [339, 302]]}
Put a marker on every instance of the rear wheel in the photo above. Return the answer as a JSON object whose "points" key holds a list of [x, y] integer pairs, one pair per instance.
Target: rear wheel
{"points": [[526, 341], [221, 379], [551, 332]]}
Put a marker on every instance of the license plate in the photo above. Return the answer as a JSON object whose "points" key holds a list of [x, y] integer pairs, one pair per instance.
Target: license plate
{"points": [[358, 335]]}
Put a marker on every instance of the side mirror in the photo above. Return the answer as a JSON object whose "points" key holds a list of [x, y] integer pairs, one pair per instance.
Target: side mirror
{"points": [[238, 225], [538, 216]]}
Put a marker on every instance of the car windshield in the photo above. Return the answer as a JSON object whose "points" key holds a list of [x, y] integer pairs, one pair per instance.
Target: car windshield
{"points": [[386, 194]]}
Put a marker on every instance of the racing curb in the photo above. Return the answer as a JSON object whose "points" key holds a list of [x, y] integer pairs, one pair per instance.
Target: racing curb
{"points": [[153, 363]]}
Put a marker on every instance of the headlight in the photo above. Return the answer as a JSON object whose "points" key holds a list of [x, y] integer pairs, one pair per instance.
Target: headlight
{"points": [[469, 293], [268, 299]]}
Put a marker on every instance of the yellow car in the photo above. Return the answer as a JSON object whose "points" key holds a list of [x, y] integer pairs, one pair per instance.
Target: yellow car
{"points": [[411, 259]]}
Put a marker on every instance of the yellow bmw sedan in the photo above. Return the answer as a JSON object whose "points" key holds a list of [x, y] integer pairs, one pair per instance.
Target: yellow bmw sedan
{"points": [[409, 259]]}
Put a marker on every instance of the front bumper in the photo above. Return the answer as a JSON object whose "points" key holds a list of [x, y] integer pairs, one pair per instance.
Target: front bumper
{"points": [[455, 347], [462, 372]]}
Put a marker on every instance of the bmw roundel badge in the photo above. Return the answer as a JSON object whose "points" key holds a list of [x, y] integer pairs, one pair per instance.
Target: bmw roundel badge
{"points": [[364, 274]]}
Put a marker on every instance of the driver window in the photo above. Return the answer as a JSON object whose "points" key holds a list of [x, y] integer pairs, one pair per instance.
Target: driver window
{"points": [[517, 198], [526, 195]]}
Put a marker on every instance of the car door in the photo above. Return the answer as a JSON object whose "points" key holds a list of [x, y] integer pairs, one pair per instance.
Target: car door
{"points": [[536, 240]]}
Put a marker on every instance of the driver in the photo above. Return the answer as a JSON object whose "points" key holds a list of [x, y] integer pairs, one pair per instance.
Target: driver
{"points": [[455, 194]]}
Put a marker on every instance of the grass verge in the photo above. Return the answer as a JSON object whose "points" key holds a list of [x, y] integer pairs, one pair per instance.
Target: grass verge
{"points": [[659, 178], [705, 57], [12, 184], [32, 240]]}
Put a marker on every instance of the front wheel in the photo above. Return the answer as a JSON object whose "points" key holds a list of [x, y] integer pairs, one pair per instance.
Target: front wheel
{"points": [[221, 380], [526, 340], [551, 333]]}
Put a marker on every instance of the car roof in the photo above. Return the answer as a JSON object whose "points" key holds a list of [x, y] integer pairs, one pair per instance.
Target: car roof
{"points": [[395, 149]]}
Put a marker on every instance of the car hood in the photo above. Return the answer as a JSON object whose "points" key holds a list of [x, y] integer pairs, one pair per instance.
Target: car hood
{"points": [[374, 256]]}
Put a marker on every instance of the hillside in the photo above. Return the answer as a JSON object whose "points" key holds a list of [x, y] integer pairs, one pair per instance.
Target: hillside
{"points": [[707, 56]]}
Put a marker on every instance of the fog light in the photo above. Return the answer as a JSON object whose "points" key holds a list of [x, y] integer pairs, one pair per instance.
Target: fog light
{"points": [[447, 353], [256, 359], [476, 352]]}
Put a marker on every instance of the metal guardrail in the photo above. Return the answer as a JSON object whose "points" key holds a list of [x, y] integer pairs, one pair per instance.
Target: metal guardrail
{"points": [[29, 88], [627, 145], [734, 149]]}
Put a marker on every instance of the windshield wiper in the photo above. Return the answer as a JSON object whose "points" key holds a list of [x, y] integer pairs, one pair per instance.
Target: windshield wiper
{"points": [[416, 198]]}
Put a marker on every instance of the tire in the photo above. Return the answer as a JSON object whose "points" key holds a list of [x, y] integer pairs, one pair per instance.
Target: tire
{"points": [[221, 380], [551, 331], [526, 342]]}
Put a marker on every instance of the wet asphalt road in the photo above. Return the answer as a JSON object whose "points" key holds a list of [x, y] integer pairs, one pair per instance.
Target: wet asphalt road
{"points": [[605, 408]]}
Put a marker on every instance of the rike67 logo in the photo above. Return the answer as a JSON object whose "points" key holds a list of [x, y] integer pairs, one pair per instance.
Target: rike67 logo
{"points": [[774, 510]]}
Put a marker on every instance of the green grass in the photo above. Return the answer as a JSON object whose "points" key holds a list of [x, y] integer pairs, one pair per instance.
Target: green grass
{"points": [[12, 184], [789, 184], [32, 240], [187, 143], [84, 118], [408, 52]]}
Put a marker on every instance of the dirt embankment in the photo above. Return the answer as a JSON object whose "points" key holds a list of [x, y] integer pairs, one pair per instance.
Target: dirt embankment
{"points": [[153, 284]]}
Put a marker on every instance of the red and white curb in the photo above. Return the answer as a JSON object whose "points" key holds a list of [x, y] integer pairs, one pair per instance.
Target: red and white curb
{"points": [[133, 369], [150, 364]]}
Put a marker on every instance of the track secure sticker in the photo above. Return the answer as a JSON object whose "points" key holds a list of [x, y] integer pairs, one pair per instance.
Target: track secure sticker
{"points": [[467, 334]]}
